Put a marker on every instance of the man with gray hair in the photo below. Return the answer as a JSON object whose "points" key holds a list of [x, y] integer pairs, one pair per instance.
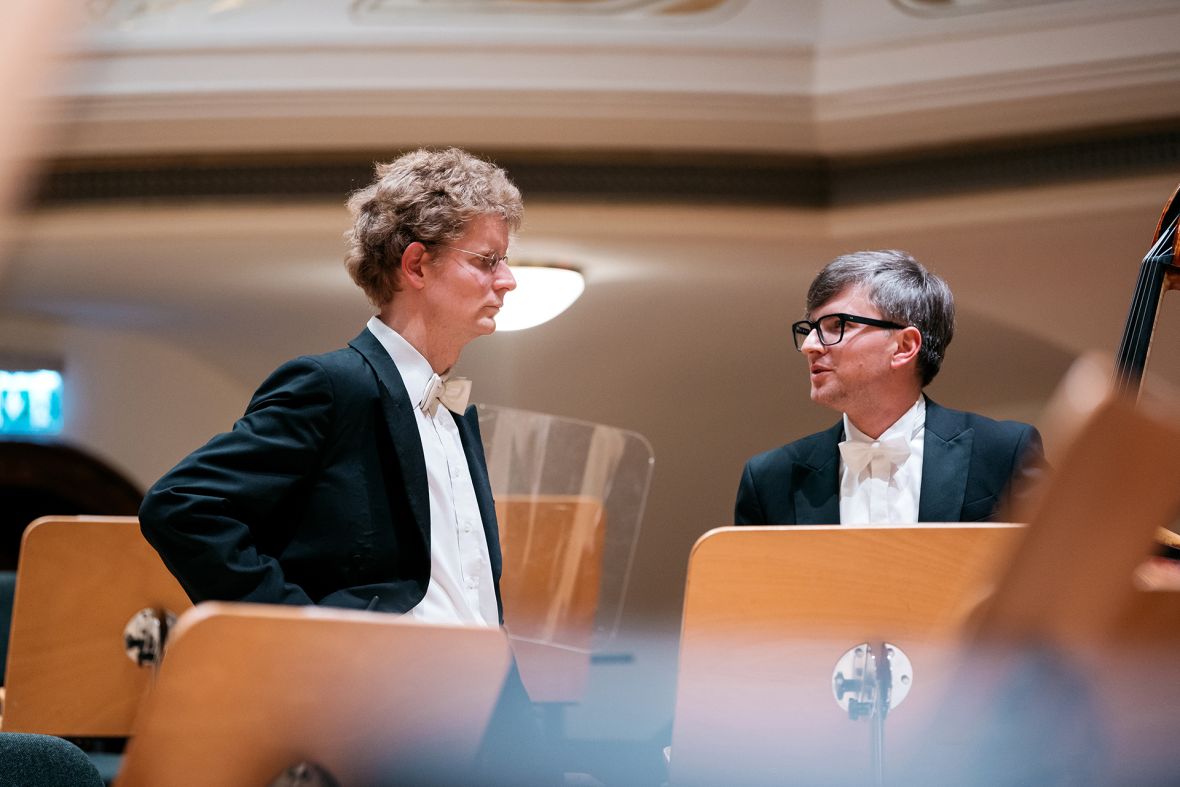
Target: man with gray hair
{"points": [[877, 328]]}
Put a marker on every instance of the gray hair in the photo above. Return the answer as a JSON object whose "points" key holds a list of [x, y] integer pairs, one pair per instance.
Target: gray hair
{"points": [[904, 292], [428, 196]]}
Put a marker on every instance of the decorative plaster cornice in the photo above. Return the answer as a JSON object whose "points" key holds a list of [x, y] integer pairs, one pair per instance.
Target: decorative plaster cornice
{"points": [[765, 76]]}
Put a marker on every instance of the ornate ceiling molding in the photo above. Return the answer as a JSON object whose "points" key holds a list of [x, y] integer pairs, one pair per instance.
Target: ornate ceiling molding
{"points": [[761, 76], [391, 10], [936, 8]]}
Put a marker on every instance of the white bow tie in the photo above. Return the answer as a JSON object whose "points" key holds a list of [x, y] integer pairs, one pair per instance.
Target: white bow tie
{"points": [[858, 455], [452, 393]]}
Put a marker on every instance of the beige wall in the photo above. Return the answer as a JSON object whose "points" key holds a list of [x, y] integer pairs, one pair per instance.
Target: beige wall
{"points": [[134, 402]]}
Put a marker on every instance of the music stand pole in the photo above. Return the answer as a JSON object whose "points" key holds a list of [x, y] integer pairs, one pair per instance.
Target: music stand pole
{"points": [[883, 678]]}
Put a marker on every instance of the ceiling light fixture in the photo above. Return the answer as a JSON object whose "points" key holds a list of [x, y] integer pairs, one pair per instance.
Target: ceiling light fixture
{"points": [[543, 291]]}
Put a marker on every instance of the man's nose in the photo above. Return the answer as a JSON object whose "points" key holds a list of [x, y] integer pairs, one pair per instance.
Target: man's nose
{"points": [[504, 280], [812, 345]]}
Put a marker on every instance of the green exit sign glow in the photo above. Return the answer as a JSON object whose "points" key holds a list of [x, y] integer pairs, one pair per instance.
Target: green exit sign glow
{"points": [[30, 402]]}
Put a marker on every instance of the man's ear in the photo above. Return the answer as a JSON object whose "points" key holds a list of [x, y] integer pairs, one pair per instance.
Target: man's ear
{"points": [[414, 259], [909, 342]]}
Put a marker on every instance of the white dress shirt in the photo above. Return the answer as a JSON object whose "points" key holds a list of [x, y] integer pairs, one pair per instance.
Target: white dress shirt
{"points": [[461, 589], [881, 480]]}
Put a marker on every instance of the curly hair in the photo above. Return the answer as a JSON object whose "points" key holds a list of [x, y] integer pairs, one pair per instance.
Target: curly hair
{"points": [[428, 196], [903, 290]]}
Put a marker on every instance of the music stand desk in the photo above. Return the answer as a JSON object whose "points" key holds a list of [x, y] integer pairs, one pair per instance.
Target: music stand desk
{"points": [[80, 580], [248, 690], [768, 612]]}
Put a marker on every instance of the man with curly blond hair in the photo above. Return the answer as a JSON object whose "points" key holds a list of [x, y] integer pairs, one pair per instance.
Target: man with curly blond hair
{"points": [[348, 482], [357, 478]]}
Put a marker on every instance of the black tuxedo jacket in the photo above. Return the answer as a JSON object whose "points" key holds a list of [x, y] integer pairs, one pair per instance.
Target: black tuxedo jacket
{"points": [[317, 496], [968, 463]]}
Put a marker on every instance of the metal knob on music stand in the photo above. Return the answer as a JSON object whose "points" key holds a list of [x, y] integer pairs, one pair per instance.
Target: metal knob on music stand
{"points": [[868, 682], [146, 635]]}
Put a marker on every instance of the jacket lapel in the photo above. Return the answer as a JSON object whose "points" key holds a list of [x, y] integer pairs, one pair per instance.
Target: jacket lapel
{"points": [[468, 425], [945, 461], [817, 497], [403, 428]]}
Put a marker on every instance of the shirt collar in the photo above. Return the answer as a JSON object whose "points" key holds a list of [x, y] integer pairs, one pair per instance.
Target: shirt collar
{"points": [[414, 369], [907, 427]]}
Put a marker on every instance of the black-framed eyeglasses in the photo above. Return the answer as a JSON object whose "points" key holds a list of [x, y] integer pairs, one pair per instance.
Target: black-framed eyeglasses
{"points": [[489, 262], [830, 328]]}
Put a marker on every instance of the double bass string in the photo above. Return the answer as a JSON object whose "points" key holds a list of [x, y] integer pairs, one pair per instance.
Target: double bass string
{"points": [[1133, 348]]}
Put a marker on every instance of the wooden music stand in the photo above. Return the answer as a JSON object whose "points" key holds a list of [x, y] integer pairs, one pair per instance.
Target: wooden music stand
{"points": [[769, 611], [80, 580], [246, 691], [553, 566]]}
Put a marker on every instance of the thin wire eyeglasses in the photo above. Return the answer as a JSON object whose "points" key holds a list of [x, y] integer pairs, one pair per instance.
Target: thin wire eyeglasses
{"points": [[830, 328], [489, 262]]}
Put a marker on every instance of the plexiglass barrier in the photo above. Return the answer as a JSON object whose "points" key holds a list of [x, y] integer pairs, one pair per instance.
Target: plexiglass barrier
{"points": [[569, 499]]}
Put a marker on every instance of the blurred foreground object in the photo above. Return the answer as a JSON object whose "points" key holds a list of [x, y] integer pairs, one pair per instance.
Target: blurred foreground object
{"points": [[29, 30], [1060, 682]]}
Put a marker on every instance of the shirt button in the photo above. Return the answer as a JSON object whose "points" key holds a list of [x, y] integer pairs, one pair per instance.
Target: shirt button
{"points": [[466, 527], [471, 583]]}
